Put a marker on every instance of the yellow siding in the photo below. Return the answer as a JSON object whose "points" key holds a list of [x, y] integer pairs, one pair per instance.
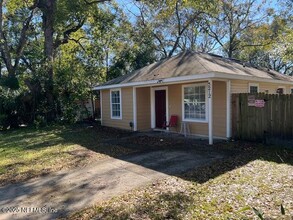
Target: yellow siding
{"points": [[219, 108], [127, 109], [240, 86], [197, 128], [273, 87], [175, 108], [143, 103]]}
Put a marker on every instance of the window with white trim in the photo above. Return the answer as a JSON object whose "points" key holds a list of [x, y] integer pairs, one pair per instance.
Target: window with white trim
{"points": [[194, 103], [116, 104], [253, 88]]}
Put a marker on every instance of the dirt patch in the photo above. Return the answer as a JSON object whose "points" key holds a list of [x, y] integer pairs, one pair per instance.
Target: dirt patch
{"points": [[82, 153], [150, 142], [157, 141]]}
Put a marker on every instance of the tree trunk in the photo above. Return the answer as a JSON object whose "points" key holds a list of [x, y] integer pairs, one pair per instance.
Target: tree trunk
{"points": [[3, 46], [230, 53], [48, 9]]}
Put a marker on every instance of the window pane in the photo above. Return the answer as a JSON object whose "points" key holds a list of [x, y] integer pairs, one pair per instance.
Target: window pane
{"points": [[253, 89], [195, 102], [115, 98], [202, 89], [280, 91], [202, 97]]}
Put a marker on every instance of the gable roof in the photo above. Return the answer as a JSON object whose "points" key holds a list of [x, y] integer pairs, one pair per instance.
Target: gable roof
{"points": [[197, 65]]}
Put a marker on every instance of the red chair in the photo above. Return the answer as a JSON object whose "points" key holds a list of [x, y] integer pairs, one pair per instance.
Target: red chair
{"points": [[172, 122]]}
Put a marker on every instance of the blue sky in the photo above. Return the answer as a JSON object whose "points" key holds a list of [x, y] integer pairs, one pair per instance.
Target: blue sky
{"points": [[131, 9], [129, 5]]}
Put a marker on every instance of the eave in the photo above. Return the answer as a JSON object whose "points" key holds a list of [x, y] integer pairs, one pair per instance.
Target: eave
{"points": [[196, 77]]}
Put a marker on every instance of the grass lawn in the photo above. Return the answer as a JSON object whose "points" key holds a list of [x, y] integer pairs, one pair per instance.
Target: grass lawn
{"points": [[260, 178], [230, 189], [28, 152]]}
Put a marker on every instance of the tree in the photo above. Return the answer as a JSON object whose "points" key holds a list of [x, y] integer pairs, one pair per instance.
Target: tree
{"points": [[72, 12], [269, 45], [24, 27], [234, 18], [11, 48], [170, 20], [136, 52]]}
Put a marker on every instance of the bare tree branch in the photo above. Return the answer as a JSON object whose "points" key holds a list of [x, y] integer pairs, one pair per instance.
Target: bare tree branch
{"points": [[182, 29], [163, 50], [67, 33], [28, 64], [23, 39], [256, 45], [78, 42], [95, 2], [161, 44]]}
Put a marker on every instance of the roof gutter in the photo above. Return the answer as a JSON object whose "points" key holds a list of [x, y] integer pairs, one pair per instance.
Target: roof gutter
{"points": [[204, 76], [251, 78], [157, 81]]}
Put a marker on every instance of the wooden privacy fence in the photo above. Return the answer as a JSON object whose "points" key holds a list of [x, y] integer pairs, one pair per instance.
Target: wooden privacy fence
{"points": [[260, 116]]}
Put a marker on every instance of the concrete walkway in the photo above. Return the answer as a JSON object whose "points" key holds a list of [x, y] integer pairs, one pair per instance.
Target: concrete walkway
{"points": [[65, 192]]}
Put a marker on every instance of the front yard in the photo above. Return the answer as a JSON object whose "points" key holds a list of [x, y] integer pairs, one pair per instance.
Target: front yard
{"points": [[258, 177], [27, 153]]}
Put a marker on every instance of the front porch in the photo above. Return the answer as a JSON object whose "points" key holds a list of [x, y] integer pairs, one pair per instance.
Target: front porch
{"points": [[205, 106]]}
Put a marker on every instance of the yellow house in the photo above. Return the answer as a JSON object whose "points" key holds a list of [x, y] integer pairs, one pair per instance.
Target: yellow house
{"points": [[196, 87]]}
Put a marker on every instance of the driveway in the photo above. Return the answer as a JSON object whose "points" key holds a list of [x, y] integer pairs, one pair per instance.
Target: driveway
{"points": [[65, 192]]}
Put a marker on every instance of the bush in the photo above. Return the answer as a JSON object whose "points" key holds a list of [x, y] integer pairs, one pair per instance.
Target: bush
{"points": [[40, 121], [3, 122]]}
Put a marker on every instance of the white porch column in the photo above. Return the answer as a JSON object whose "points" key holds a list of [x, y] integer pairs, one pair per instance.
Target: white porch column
{"points": [[228, 116], [134, 109], [210, 110], [153, 117], [101, 107]]}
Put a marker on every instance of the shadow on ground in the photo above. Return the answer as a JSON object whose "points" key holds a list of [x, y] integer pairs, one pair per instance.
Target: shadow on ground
{"points": [[165, 152], [161, 153]]}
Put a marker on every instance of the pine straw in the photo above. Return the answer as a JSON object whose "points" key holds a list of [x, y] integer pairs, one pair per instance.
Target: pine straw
{"points": [[229, 189]]}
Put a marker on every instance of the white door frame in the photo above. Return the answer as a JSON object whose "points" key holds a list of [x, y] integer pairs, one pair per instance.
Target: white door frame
{"points": [[153, 109]]}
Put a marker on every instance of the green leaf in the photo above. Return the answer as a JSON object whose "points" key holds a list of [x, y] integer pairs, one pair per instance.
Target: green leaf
{"points": [[258, 213], [282, 209]]}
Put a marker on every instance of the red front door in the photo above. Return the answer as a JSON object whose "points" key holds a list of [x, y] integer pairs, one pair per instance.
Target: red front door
{"points": [[160, 107]]}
